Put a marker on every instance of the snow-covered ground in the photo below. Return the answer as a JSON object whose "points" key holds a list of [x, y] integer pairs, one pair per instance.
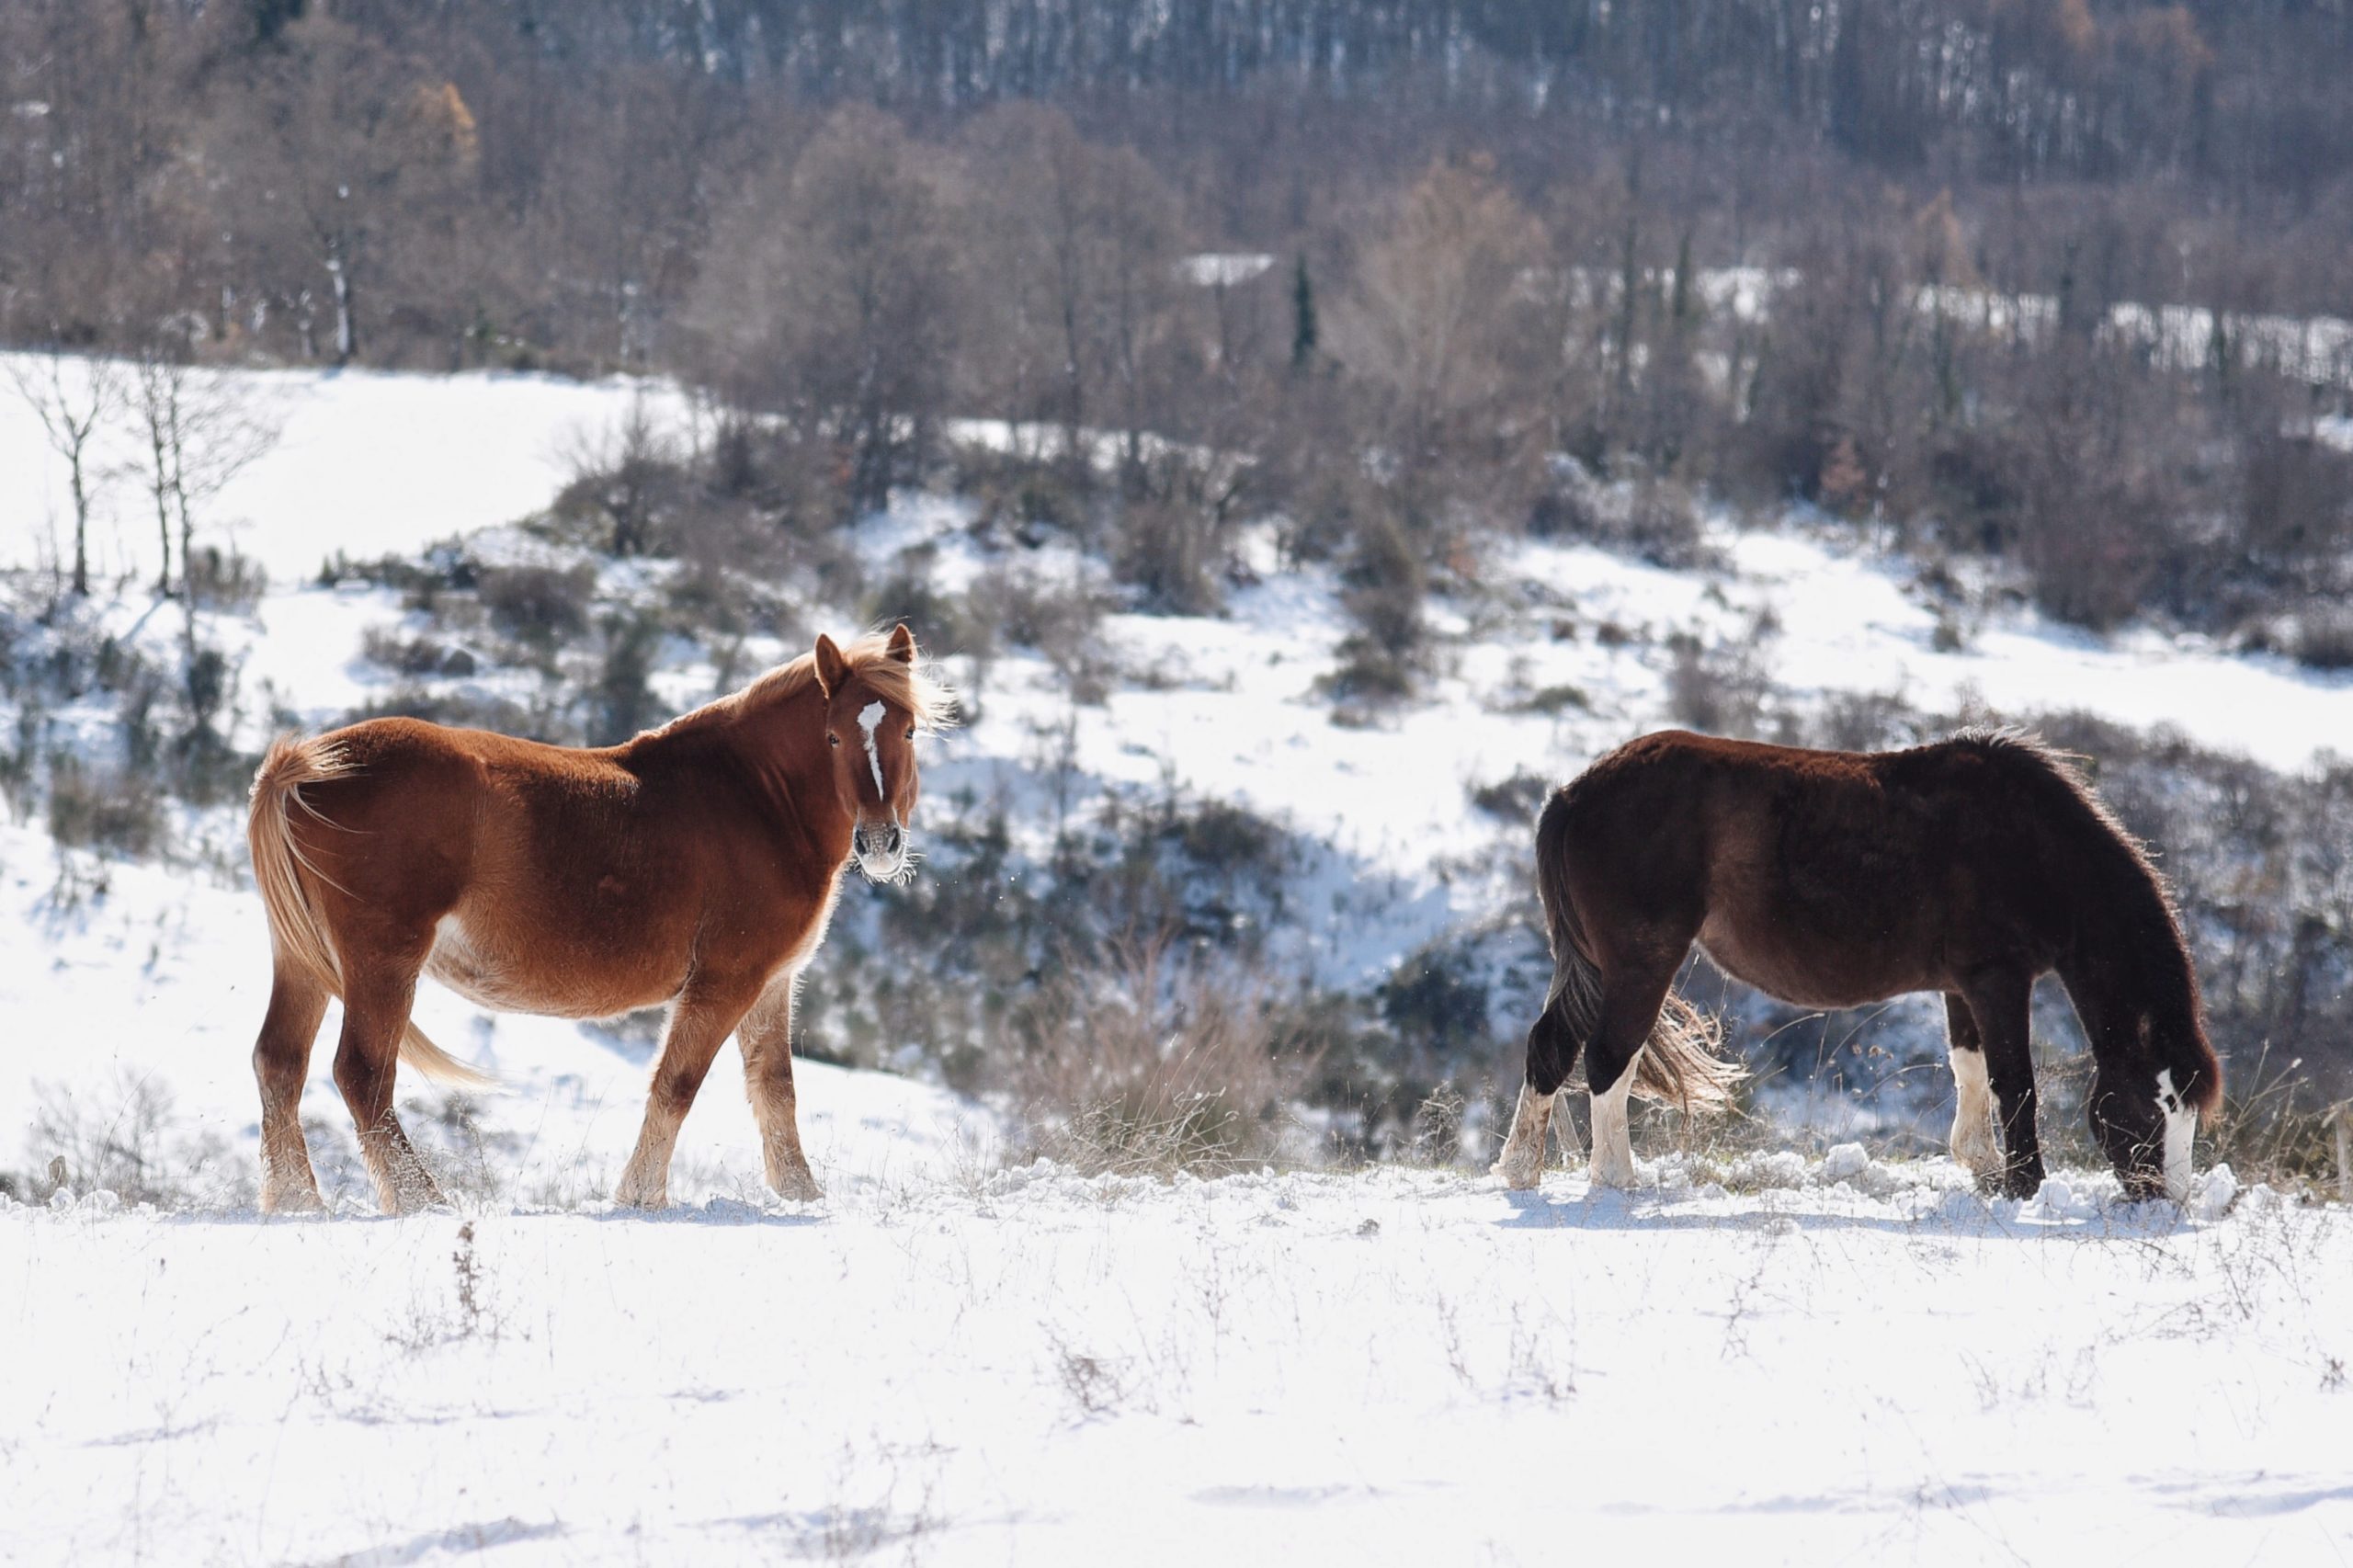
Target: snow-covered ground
{"points": [[950, 1360], [366, 462], [1846, 1361]]}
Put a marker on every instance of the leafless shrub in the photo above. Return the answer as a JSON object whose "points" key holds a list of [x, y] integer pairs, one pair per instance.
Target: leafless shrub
{"points": [[123, 1138], [2275, 1129], [116, 809], [1094, 1384], [406, 655], [1170, 551], [1853, 720], [627, 481], [1514, 800], [465, 1154], [469, 1312], [1719, 690], [1658, 520], [227, 582], [2323, 638], [1061, 618], [1130, 1070], [539, 605], [1437, 1128]]}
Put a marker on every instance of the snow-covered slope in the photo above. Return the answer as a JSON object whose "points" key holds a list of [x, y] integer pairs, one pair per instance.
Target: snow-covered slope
{"points": [[1847, 1363], [366, 462]]}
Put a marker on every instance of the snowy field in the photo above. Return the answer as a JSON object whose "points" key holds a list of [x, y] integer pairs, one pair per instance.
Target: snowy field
{"points": [[1397, 1367], [1767, 1358]]}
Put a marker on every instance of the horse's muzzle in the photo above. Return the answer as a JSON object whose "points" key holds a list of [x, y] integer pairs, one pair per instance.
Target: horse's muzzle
{"points": [[881, 849]]}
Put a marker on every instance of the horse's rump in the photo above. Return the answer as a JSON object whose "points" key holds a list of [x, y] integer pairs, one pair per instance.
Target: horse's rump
{"points": [[285, 872]]}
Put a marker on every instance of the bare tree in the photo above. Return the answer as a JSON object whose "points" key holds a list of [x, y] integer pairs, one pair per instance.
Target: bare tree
{"points": [[219, 424], [1434, 320], [837, 298], [346, 151], [73, 398], [159, 382], [1083, 237]]}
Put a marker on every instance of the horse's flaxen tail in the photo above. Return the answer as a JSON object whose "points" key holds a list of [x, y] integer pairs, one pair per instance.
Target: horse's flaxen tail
{"points": [[1679, 1061], [281, 867]]}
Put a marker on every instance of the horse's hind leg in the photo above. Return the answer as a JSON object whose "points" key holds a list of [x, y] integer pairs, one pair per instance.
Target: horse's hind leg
{"points": [[1552, 1055], [765, 1036], [375, 1014], [1631, 998], [281, 1065], [1974, 1147], [700, 1024], [2002, 1004]]}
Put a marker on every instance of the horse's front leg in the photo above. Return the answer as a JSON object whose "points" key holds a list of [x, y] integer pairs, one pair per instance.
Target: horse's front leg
{"points": [[700, 1024], [1973, 1143], [2001, 1004], [765, 1036]]}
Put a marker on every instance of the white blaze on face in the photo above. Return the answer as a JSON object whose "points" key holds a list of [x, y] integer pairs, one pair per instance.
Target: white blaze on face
{"points": [[870, 719], [2181, 1132]]}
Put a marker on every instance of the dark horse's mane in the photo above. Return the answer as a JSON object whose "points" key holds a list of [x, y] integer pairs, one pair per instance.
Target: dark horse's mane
{"points": [[2127, 856]]}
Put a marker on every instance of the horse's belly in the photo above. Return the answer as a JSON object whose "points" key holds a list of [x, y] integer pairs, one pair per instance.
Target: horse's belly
{"points": [[545, 984], [1806, 971]]}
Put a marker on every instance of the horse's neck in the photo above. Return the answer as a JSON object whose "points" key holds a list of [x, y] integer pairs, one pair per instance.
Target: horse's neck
{"points": [[2129, 965], [782, 746]]}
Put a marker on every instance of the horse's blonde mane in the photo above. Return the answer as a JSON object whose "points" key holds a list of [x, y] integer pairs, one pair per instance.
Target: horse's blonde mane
{"points": [[917, 687]]}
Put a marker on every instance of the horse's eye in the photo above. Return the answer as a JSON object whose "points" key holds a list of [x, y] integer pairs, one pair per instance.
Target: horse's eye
{"points": [[833, 740], [911, 731]]}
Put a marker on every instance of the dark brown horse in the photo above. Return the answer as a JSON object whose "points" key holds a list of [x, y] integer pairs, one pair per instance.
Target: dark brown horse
{"points": [[695, 865], [1836, 878]]}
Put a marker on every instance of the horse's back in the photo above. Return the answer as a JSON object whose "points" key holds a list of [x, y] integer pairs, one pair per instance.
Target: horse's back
{"points": [[1826, 878]]}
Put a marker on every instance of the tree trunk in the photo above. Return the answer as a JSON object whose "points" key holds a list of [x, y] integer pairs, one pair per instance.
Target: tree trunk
{"points": [[346, 341], [81, 530]]}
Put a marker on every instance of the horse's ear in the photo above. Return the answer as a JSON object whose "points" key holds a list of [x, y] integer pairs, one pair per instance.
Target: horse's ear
{"points": [[832, 668], [903, 645]]}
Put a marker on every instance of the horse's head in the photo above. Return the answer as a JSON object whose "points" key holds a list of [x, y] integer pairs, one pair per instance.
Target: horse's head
{"points": [[870, 724]]}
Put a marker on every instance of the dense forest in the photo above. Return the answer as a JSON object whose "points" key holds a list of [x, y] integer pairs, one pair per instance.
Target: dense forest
{"points": [[2056, 281]]}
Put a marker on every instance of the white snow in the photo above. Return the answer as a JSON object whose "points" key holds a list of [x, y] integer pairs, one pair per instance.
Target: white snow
{"points": [[1217, 269], [367, 462], [1401, 1367]]}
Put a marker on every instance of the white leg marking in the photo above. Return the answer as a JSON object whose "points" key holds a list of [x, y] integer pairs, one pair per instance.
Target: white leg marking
{"points": [[2181, 1132], [1613, 1147], [870, 719], [1973, 1143], [1521, 1165]]}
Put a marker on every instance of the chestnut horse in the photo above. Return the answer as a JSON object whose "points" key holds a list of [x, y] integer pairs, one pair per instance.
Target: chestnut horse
{"points": [[1834, 878], [695, 865]]}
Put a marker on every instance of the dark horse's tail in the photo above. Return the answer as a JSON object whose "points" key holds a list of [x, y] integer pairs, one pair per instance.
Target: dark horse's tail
{"points": [[1679, 1061]]}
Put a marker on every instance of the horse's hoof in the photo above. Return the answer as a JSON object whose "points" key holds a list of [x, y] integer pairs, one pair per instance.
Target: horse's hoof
{"points": [[291, 1200], [2013, 1183], [1604, 1177], [629, 1197], [796, 1185], [1517, 1176]]}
